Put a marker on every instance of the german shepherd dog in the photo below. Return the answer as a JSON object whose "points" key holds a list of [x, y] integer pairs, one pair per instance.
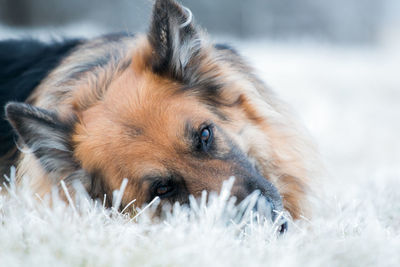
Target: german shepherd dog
{"points": [[169, 110]]}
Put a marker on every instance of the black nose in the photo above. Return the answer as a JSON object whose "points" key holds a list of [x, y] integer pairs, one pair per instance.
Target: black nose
{"points": [[269, 210], [250, 183], [283, 227]]}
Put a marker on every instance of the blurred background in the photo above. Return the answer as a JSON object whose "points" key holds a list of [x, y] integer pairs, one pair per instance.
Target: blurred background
{"points": [[349, 21], [337, 62]]}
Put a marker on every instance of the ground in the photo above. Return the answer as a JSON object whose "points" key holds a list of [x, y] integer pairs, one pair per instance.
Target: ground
{"points": [[347, 96]]}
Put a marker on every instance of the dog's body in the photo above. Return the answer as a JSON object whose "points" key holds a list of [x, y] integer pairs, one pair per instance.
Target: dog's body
{"points": [[170, 111]]}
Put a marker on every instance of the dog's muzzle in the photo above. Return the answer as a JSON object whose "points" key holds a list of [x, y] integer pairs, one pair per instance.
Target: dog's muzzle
{"points": [[269, 202], [267, 209]]}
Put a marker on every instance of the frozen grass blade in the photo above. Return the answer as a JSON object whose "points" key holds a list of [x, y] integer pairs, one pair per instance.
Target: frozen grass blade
{"points": [[155, 200], [68, 196], [128, 205], [118, 194]]}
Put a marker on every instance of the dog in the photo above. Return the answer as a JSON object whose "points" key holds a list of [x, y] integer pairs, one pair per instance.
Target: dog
{"points": [[169, 110]]}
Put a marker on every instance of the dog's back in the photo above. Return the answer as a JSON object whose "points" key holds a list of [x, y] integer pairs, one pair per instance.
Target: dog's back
{"points": [[24, 64]]}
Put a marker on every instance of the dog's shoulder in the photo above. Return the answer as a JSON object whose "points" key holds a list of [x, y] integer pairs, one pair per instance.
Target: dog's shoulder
{"points": [[24, 64]]}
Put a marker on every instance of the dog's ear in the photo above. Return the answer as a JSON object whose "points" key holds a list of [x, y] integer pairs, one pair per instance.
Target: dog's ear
{"points": [[174, 39], [45, 135]]}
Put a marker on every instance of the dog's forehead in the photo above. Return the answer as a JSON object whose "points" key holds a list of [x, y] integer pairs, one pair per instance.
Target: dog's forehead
{"points": [[147, 101], [137, 122]]}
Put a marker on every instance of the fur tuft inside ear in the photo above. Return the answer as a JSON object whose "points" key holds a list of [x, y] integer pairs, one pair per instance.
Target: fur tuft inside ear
{"points": [[174, 38], [46, 136]]}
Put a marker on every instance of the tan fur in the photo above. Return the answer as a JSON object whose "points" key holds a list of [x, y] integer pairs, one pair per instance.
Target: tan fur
{"points": [[131, 122], [141, 101]]}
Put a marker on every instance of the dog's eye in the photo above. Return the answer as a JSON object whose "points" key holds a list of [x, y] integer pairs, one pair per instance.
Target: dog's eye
{"points": [[164, 190], [206, 136]]}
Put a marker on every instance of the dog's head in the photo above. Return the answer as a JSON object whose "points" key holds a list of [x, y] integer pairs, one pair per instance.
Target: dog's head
{"points": [[180, 118]]}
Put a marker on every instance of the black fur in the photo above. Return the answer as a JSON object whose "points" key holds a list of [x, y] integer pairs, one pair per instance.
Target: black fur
{"points": [[166, 35], [23, 65]]}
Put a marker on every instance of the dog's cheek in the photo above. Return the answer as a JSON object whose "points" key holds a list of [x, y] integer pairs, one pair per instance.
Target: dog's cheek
{"points": [[253, 143]]}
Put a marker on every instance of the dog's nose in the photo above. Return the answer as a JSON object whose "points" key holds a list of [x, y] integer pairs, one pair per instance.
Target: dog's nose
{"points": [[283, 227], [269, 202], [268, 210]]}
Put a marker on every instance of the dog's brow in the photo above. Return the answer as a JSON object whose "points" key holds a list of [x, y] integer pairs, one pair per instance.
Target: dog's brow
{"points": [[221, 115], [153, 177]]}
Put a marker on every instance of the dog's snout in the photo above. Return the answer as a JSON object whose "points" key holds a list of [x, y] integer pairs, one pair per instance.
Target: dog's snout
{"points": [[269, 202]]}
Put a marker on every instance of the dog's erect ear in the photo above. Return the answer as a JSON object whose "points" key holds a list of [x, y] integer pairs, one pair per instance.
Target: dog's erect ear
{"points": [[174, 39], [44, 134]]}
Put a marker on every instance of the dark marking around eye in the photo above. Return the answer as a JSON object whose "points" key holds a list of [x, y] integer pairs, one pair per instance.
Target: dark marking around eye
{"points": [[200, 139], [171, 187]]}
